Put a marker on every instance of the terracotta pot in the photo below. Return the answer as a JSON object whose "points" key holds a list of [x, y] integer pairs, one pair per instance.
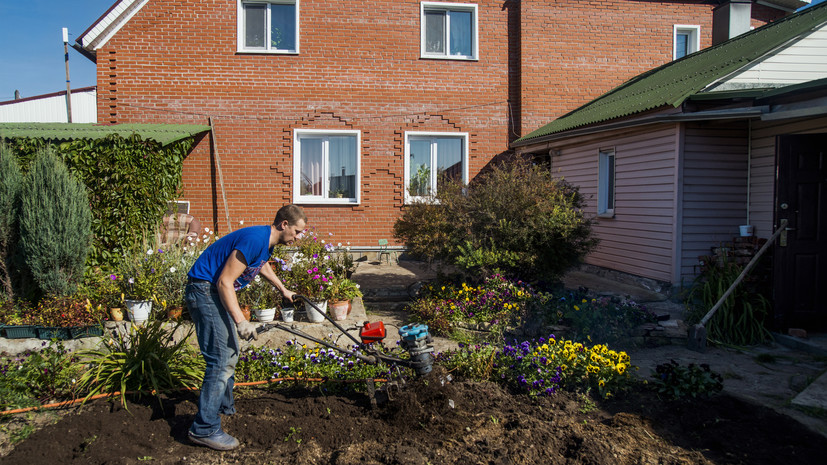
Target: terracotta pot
{"points": [[116, 314], [338, 309], [174, 313], [245, 310]]}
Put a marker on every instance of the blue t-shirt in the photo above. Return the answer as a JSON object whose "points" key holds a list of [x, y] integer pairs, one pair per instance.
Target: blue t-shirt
{"points": [[253, 242]]}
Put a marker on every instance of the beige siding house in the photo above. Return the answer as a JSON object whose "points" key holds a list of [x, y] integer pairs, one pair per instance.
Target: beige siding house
{"points": [[675, 160]]}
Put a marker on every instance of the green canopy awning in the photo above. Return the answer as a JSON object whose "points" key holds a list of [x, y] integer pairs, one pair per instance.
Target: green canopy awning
{"points": [[164, 134]]}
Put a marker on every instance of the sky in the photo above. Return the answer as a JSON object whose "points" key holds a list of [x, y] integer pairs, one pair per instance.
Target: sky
{"points": [[32, 58]]}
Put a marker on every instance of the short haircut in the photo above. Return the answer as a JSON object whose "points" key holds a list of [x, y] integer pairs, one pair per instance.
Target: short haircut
{"points": [[291, 213]]}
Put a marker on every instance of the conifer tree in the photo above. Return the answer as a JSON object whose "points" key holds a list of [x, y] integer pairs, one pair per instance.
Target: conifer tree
{"points": [[11, 181], [55, 225]]}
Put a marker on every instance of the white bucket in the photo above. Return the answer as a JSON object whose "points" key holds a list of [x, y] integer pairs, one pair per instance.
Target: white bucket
{"points": [[287, 314], [265, 315], [312, 314], [746, 230], [138, 310]]}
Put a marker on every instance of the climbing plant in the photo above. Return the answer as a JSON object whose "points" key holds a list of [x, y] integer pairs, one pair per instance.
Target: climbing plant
{"points": [[130, 181]]}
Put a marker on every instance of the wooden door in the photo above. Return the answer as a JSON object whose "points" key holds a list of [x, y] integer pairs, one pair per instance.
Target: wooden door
{"points": [[800, 261]]}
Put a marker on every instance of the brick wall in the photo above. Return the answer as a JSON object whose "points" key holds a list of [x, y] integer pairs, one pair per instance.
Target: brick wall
{"points": [[359, 68]]}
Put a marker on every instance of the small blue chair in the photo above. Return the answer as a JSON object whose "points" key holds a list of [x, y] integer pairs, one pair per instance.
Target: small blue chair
{"points": [[385, 251]]}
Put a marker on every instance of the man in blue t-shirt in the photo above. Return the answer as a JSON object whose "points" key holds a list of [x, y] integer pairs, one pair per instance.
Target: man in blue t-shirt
{"points": [[225, 267]]}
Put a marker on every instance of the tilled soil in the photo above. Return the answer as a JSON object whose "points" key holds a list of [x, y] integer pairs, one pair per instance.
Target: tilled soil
{"points": [[430, 421]]}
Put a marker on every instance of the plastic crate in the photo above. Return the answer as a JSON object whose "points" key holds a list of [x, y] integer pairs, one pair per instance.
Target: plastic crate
{"points": [[20, 331], [85, 331], [49, 333]]}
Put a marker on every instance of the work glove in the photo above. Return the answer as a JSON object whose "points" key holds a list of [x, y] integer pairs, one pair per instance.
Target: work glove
{"points": [[247, 330]]}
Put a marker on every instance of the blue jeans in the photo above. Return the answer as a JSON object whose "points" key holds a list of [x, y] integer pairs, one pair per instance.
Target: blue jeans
{"points": [[217, 338]]}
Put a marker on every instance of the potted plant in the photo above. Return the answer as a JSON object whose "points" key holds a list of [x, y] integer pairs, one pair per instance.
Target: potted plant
{"points": [[138, 280], [265, 299], [342, 293]]}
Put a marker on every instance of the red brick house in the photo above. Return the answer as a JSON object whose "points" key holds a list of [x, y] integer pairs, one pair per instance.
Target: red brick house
{"points": [[352, 108]]}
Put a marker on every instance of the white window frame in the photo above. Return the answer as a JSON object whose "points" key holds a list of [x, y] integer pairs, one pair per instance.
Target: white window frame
{"points": [[324, 199], [606, 183], [240, 28], [694, 39], [475, 41], [425, 134]]}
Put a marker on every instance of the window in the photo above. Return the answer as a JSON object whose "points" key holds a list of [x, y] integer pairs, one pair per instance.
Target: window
{"points": [[687, 39], [448, 30], [606, 183], [326, 166], [268, 26], [431, 159]]}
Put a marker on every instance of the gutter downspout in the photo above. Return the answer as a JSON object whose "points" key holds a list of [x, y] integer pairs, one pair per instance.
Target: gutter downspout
{"points": [[749, 166]]}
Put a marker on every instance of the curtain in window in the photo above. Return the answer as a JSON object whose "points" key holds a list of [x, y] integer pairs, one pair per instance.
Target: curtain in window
{"points": [[283, 27], [342, 166], [461, 32], [448, 159], [435, 32], [312, 157], [419, 183], [255, 16]]}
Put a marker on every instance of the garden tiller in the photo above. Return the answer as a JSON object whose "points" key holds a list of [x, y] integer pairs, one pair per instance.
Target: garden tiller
{"points": [[415, 340]]}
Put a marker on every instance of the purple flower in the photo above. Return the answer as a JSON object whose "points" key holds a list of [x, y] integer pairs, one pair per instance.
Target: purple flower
{"points": [[113, 277]]}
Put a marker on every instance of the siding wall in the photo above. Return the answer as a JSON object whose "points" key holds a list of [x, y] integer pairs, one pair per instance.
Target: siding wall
{"points": [[714, 200], [639, 239], [51, 108], [806, 60], [762, 179]]}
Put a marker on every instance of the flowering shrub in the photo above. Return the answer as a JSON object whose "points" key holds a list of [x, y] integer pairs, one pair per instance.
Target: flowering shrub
{"points": [[599, 319], [139, 273], [297, 360], [543, 367], [259, 294], [65, 312], [314, 267], [33, 377], [496, 301]]}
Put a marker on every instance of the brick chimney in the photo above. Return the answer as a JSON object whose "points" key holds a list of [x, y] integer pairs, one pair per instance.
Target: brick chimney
{"points": [[729, 19]]}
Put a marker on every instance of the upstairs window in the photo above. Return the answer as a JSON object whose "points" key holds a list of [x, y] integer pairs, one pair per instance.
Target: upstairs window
{"points": [[606, 183], [268, 26], [449, 30], [432, 159], [326, 166], [687, 39]]}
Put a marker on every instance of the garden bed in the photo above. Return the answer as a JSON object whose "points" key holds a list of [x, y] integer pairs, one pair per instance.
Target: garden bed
{"points": [[486, 424]]}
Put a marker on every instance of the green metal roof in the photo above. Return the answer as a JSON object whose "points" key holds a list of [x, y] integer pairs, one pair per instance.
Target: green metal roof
{"points": [[162, 133], [674, 82]]}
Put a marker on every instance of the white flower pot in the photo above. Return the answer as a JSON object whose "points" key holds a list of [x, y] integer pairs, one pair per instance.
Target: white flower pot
{"points": [[312, 314], [265, 315], [138, 310], [287, 314]]}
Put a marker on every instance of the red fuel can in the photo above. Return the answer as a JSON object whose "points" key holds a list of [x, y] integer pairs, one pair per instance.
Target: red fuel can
{"points": [[372, 332]]}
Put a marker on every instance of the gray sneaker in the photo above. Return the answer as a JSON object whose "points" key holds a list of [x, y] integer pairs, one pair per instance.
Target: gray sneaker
{"points": [[218, 440]]}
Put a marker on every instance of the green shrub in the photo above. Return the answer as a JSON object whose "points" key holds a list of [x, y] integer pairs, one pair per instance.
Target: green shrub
{"points": [[11, 181], [145, 359], [740, 318], [676, 381], [513, 218], [54, 225]]}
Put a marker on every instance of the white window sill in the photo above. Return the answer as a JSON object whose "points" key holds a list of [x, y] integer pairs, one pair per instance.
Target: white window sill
{"points": [[266, 52], [320, 201], [448, 58], [606, 215]]}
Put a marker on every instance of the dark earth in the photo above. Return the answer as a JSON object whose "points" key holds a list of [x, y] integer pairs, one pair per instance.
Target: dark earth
{"points": [[431, 422]]}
